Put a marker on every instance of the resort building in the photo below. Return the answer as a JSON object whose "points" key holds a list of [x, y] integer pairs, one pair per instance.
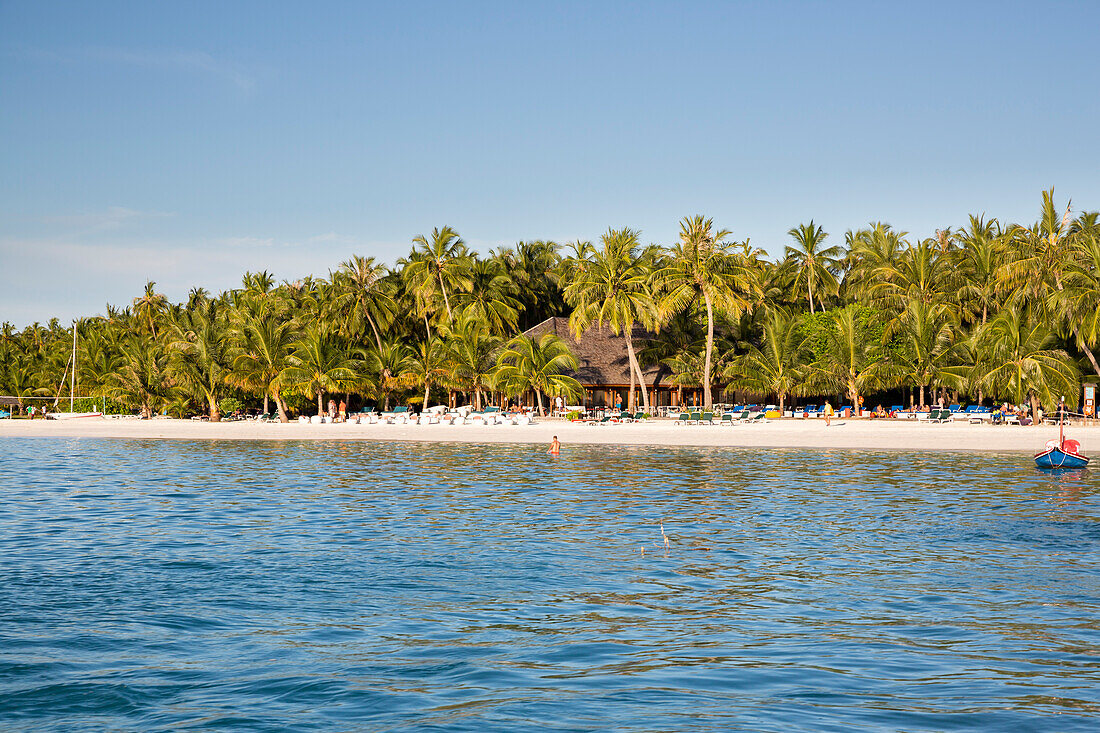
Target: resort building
{"points": [[604, 371]]}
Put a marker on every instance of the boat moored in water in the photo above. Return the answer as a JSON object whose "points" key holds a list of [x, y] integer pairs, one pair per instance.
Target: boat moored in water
{"points": [[1064, 455], [1061, 453]]}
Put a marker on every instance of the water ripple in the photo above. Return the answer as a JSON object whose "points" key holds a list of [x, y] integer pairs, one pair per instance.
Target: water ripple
{"points": [[162, 585]]}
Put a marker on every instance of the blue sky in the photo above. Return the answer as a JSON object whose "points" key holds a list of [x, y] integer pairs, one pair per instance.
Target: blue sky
{"points": [[189, 142]]}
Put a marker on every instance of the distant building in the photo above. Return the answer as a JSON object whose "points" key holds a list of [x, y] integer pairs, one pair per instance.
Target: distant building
{"points": [[603, 368]]}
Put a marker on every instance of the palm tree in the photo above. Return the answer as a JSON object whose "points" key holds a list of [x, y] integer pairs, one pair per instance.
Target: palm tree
{"points": [[612, 287], [149, 307], [264, 340], [428, 365], [538, 365], [319, 364], [535, 269], [393, 362], [363, 297], [200, 353], [471, 362], [440, 264], [1042, 255], [490, 297], [777, 367], [921, 273], [1079, 301], [927, 330], [141, 378], [703, 265], [814, 265], [853, 360], [1018, 361], [982, 250], [871, 252]]}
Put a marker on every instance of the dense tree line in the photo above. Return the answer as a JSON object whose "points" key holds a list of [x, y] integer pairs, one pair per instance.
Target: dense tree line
{"points": [[985, 311]]}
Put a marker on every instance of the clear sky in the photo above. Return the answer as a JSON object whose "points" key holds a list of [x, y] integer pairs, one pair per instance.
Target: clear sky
{"points": [[189, 142]]}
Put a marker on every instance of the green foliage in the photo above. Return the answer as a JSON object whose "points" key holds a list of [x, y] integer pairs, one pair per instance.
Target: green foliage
{"points": [[988, 309], [230, 404]]}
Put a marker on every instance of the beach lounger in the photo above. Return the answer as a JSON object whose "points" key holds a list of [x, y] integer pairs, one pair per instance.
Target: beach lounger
{"points": [[727, 419], [683, 419], [981, 414]]}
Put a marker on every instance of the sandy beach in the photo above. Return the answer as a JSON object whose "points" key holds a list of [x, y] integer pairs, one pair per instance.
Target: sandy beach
{"points": [[843, 434]]}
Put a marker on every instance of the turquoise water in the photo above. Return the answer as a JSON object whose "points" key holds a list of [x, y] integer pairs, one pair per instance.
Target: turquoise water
{"points": [[159, 585]]}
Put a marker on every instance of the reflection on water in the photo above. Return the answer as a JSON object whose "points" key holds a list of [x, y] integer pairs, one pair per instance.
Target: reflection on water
{"points": [[387, 586]]}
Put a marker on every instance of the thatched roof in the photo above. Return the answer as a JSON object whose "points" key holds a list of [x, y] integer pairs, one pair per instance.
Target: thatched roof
{"points": [[601, 355]]}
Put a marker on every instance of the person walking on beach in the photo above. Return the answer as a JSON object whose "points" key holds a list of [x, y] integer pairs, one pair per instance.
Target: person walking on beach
{"points": [[331, 408], [555, 447], [828, 413], [343, 411], [559, 405]]}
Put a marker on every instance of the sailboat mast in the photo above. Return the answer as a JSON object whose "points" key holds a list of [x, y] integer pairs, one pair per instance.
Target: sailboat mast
{"points": [[72, 382], [1061, 421]]}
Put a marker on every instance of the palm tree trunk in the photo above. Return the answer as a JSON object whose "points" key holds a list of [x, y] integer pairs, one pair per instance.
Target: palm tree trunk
{"points": [[377, 338], [538, 396], [281, 404], [446, 300], [630, 394], [634, 364], [1084, 347], [427, 388], [265, 402], [707, 401], [320, 407]]}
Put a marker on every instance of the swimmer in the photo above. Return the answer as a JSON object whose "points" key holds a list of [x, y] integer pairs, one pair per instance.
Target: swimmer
{"points": [[555, 446]]}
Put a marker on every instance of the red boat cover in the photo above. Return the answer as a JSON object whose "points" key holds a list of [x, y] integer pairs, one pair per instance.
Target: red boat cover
{"points": [[1071, 446]]}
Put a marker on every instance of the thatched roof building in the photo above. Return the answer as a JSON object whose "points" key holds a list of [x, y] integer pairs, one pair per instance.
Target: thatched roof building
{"points": [[602, 363]]}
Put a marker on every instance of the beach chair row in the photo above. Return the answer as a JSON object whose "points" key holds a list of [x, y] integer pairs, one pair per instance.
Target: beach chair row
{"points": [[439, 415], [744, 417], [619, 419]]}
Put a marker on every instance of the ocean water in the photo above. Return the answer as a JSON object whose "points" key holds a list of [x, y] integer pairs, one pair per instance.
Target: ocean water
{"points": [[156, 585]]}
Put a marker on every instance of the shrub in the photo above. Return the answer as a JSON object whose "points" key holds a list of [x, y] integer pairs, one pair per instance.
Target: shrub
{"points": [[573, 415], [229, 405]]}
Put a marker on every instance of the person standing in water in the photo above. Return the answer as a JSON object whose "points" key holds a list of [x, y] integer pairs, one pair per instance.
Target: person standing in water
{"points": [[555, 446]]}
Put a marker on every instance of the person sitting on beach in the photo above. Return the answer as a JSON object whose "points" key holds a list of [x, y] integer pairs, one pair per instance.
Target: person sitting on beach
{"points": [[998, 417]]}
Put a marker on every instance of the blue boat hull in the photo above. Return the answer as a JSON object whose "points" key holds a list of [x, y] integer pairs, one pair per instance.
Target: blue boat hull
{"points": [[1058, 458]]}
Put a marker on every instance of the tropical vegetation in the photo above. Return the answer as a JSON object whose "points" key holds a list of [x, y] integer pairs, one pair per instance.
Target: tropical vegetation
{"points": [[986, 311]]}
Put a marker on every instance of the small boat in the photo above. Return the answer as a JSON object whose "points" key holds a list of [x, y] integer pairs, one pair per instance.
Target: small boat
{"points": [[1064, 455], [1061, 453], [71, 415]]}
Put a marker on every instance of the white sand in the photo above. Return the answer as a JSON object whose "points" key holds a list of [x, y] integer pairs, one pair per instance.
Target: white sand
{"points": [[843, 434]]}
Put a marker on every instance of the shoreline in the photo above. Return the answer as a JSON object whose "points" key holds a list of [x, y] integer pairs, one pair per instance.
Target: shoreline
{"points": [[874, 435]]}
